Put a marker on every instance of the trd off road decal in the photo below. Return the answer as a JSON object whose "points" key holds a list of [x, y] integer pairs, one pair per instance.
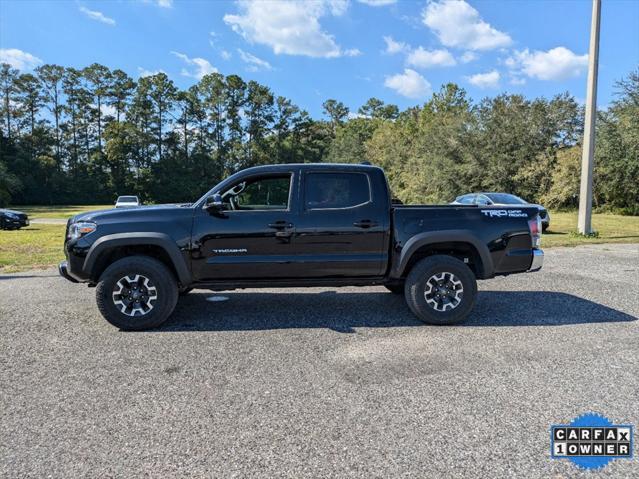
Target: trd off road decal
{"points": [[504, 213], [591, 441]]}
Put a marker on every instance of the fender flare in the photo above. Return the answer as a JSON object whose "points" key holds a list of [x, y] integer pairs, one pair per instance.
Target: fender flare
{"points": [[432, 237], [162, 240]]}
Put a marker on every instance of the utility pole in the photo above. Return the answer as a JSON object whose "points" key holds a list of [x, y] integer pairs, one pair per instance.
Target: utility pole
{"points": [[584, 223]]}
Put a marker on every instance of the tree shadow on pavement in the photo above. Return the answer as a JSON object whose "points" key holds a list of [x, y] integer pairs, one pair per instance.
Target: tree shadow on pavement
{"points": [[246, 311]]}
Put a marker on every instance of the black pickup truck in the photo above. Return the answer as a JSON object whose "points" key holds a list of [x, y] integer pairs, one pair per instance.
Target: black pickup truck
{"points": [[297, 225]]}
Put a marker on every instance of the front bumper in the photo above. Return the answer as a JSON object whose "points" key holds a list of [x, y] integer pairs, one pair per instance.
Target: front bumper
{"points": [[10, 223], [63, 269], [537, 260]]}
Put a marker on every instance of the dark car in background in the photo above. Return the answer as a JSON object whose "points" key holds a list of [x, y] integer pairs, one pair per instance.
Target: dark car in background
{"points": [[13, 220], [501, 199]]}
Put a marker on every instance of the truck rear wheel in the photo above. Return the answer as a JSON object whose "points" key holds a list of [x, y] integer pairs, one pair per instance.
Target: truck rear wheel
{"points": [[136, 293], [441, 290], [395, 288]]}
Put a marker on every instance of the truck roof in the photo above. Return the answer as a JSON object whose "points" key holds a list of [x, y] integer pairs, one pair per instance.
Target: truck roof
{"points": [[313, 166]]}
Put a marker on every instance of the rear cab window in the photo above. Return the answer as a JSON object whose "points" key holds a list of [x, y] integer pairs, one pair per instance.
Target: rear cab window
{"points": [[336, 190]]}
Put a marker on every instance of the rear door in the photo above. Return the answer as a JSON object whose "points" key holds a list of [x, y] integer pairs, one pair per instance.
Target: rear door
{"points": [[342, 227]]}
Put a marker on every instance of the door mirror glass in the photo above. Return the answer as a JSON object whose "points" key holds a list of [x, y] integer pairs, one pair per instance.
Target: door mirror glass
{"points": [[214, 203]]}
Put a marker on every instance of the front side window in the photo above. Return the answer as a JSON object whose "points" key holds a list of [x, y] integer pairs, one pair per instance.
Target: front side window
{"points": [[262, 193], [336, 190]]}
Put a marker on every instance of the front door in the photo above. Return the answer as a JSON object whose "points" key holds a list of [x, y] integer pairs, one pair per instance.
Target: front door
{"points": [[253, 236]]}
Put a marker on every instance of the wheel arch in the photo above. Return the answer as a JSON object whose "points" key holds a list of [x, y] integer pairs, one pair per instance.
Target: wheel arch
{"points": [[457, 243], [110, 248]]}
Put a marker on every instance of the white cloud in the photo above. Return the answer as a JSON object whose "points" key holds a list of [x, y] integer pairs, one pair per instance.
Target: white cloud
{"points": [[409, 84], [468, 57], [290, 28], [352, 52], [485, 80], [19, 59], [226, 55], [556, 64], [393, 46], [421, 58], [516, 80], [143, 72], [457, 24], [161, 3], [254, 63], [377, 3], [98, 16], [200, 66], [212, 38], [106, 110]]}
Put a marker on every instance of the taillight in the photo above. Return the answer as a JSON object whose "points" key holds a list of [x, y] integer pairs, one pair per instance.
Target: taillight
{"points": [[535, 231]]}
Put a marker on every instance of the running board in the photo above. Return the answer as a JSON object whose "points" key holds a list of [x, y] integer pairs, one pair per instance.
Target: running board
{"points": [[225, 285]]}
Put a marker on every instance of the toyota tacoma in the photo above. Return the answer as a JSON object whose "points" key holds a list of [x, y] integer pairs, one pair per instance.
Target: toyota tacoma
{"points": [[297, 225]]}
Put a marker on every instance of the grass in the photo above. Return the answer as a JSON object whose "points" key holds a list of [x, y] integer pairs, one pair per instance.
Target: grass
{"points": [[40, 245], [610, 229], [37, 246], [58, 211]]}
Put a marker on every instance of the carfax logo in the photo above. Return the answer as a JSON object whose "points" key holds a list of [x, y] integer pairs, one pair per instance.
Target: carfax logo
{"points": [[591, 441]]}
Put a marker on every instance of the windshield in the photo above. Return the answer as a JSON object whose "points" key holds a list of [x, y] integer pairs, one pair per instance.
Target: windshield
{"points": [[128, 199], [506, 199]]}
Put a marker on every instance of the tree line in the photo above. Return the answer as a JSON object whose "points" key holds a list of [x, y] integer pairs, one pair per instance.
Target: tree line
{"points": [[72, 136]]}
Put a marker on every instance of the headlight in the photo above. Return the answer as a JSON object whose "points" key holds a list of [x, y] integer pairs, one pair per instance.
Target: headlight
{"points": [[77, 230]]}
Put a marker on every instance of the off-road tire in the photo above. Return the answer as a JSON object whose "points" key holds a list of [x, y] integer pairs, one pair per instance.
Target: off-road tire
{"points": [[417, 287], [395, 288], [162, 279]]}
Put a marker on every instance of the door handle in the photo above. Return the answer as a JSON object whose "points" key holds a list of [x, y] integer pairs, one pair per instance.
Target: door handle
{"points": [[280, 225], [365, 224]]}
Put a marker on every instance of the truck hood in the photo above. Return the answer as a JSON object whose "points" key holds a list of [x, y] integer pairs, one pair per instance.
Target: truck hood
{"points": [[117, 214]]}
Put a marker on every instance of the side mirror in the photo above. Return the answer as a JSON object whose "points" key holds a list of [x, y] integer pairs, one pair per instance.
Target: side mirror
{"points": [[214, 204]]}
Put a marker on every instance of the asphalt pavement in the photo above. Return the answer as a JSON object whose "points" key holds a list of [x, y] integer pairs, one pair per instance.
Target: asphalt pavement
{"points": [[322, 382]]}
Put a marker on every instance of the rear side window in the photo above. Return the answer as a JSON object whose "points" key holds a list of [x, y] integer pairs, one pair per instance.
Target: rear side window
{"points": [[466, 199], [336, 190]]}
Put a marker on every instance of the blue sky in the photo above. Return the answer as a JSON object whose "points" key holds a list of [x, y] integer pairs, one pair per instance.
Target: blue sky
{"points": [[398, 51]]}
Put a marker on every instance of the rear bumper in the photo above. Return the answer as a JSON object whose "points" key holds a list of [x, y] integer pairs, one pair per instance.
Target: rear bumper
{"points": [[537, 260], [63, 269]]}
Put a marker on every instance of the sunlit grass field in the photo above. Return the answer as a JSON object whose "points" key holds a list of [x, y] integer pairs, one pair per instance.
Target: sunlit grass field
{"points": [[611, 229], [40, 245], [54, 211]]}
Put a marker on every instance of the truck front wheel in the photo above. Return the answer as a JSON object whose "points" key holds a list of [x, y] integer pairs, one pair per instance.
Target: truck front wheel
{"points": [[441, 290], [136, 293]]}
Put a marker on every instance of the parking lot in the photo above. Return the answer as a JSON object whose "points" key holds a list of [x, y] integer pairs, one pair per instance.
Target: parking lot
{"points": [[322, 382]]}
